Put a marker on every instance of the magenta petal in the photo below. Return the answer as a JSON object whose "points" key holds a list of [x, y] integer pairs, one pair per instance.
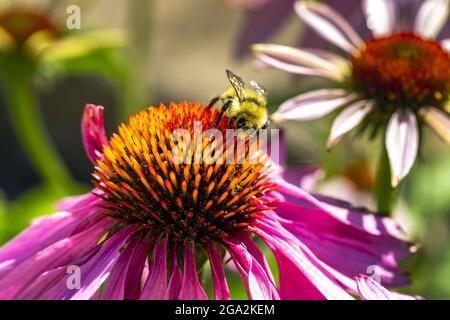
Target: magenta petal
{"points": [[257, 282], [95, 271], [191, 289], [156, 284], [93, 132], [124, 282], [58, 254], [176, 278], [42, 283], [284, 243], [301, 288], [221, 291], [174, 287], [369, 289], [46, 231]]}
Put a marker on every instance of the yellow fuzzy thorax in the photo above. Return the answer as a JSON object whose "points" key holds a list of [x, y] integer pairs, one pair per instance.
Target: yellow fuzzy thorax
{"points": [[253, 107]]}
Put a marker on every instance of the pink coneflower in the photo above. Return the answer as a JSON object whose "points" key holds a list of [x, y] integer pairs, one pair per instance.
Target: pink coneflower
{"points": [[146, 229], [397, 80]]}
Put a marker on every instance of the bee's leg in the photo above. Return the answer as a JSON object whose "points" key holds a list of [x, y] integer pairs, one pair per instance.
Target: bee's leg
{"points": [[213, 101], [224, 108]]}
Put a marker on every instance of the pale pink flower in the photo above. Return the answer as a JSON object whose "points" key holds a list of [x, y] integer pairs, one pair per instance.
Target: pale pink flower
{"points": [[398, 80]]}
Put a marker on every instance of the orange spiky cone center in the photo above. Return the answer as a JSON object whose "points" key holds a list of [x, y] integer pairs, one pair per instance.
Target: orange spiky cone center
{"points": [[143, 184], [403, 70]]}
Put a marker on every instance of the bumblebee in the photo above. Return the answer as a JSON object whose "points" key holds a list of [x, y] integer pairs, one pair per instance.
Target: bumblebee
{"points": [[245, 107]]}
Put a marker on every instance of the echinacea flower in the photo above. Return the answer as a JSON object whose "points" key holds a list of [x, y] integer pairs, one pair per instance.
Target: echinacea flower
{"points": [[397, 80], [150, 223]]}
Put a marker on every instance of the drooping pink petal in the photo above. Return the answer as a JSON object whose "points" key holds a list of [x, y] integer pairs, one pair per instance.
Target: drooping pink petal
{"points": [[42, 284], [221, 291], [381, 16], [439, 121], [313, 105], [431, 17], [174, 287], [47, 230], [95, 271], [402, 143], [257, 280], [300, 61], [369, 289], [176, 278], [348, 119], [329, 24], [346, 255], [338, 210], [191, 289], [156, 284], [124, 282], [319, 280], [93, 132], [61, 253], [347, 240]]}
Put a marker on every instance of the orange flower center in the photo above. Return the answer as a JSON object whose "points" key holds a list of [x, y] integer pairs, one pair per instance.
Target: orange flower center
{"points": [[145, 184], [403, 70], [21, 24]]}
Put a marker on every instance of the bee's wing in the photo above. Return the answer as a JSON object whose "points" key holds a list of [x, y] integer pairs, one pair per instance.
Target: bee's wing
{"points": [[259, 88], [237, 83]]}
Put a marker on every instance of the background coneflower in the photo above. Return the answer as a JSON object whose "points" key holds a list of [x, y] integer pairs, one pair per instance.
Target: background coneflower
{"points": [[396, 82]]}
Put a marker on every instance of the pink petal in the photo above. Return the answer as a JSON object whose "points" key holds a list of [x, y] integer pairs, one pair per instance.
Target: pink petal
{"points": [[381, 16], [93, 132], [221, 291], [369, 289], [61, 253], [47, 230], [258, 283], [95, 271], [439, 121], [321, 282], [313, 105], [329, 24], [156, 284], [340, 211], [402, 143], [124, 282], [176, 278], [191, 289], [431, 17], [42, 284], [300, 61], [348, 119]]}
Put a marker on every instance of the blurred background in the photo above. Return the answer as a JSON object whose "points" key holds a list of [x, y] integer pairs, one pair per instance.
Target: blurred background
{"points": [[178, 50]]}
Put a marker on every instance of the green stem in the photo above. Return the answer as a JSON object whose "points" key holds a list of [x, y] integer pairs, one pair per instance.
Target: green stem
{"points": [[385, 195], [32, 135]]}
